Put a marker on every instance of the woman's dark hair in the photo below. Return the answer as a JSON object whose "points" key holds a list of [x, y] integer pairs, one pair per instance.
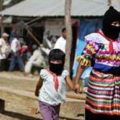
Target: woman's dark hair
{"points": [[57, 54]]}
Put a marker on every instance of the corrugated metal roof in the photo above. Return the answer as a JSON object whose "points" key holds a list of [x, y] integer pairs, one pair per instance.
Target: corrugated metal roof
{"points": [[33, 8]]}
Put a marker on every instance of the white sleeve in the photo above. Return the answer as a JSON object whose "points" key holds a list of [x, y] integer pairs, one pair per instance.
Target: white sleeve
{"points": [[91, 37], [44, 74], [65, 73]]}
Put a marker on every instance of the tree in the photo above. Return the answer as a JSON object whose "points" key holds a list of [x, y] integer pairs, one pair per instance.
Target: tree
{"points": [[69, 30]]}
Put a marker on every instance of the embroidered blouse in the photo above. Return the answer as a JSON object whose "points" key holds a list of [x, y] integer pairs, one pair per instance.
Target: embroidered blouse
{"points": [[48, 93], [98, 49]]}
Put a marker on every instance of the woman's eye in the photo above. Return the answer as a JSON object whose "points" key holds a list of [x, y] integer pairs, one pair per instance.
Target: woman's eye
{"points": [[116, 23]]}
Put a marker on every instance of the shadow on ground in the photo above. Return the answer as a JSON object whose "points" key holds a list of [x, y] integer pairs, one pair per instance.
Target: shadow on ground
{"points": [[25, 117], [78, 117]]}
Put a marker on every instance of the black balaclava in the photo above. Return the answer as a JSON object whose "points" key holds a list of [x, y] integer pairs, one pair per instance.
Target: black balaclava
{"points": [[56, 68], [110, 16], [56, 54]]}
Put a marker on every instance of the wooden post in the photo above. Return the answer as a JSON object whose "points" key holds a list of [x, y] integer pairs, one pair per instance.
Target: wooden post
{"points": [[1, 21], [1, 4], [30, 32], [34, 38], [109, 2], [69, 31]]}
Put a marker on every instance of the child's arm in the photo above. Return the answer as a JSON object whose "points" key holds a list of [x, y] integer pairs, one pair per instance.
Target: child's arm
{"points": [[69, 82], [38, 86]]}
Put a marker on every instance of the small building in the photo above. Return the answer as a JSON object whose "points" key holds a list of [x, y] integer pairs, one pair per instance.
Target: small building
{"points": [[48, 15]]}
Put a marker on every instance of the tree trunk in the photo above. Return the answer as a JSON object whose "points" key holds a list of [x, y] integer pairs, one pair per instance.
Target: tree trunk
{"points": [[69, 30]]}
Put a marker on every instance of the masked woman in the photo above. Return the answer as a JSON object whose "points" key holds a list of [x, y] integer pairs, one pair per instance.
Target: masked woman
{"points": [[103, 95]]}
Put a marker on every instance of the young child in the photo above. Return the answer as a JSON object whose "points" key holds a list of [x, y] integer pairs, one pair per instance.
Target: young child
{"points": [[51, 87]]}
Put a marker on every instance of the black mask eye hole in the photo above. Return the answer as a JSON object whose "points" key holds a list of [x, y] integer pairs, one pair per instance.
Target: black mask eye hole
{"points": [[115, 24], [56, 61]]}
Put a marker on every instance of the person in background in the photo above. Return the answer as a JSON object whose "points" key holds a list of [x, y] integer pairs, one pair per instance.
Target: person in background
{"points": [[61, 41], [51, 87], [24, 52], [4, 51], [36, 61], [16, 59], [103, 94]]}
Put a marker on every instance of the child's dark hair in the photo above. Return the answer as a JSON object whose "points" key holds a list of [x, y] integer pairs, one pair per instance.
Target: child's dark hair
{"points": [[57, 54], [63, 30]]}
